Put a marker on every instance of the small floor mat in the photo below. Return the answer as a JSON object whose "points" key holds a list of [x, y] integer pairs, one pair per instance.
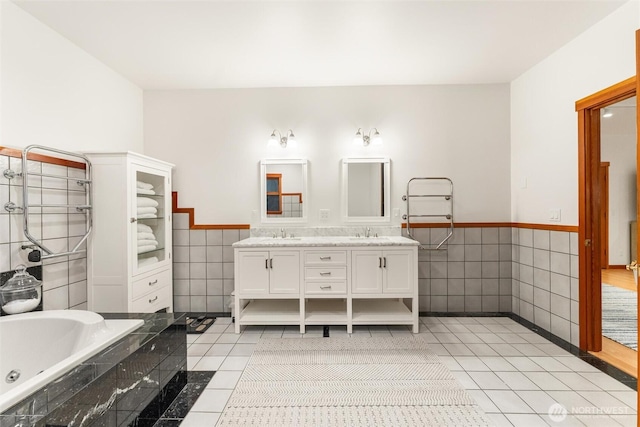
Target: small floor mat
{"points": [[198, 325]]}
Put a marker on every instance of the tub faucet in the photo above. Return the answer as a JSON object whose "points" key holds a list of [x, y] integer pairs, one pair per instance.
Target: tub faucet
{"points": [[367, 232]]}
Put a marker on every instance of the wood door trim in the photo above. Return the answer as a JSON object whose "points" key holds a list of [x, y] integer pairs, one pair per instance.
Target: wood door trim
{"points": [[604, 214], [611, 95]]}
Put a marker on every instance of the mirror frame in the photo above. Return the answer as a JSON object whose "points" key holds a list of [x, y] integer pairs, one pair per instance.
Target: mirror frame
{"points": [[263, 190], [386, 162]]}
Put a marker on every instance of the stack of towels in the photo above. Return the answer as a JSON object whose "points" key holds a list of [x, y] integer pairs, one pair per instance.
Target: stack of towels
{"points": [[145, 188], [146, 239]]}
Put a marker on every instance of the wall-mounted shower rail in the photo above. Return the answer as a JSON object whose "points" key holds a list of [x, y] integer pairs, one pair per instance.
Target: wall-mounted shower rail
{"points": [[448, 196], [86, 207]]}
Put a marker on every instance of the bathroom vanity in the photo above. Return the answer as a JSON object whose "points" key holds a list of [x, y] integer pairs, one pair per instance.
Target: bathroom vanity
{"points": [[326, 281]]}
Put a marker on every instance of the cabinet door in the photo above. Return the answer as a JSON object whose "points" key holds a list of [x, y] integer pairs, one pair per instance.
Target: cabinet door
{"points": [[366, 272], [284, 272], [398, 271], [253, 273], [150, 218]]}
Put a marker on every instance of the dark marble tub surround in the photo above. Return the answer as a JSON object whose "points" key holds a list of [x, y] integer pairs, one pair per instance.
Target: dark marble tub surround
{"points": [[117, 386]]}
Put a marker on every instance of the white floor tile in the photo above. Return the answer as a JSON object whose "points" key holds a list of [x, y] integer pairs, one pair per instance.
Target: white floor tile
{"points": [[234, 363], [525, 420], [192, 361], [488, 381], [191, 338], [465, 380], [483, 401], [212, 400], [499, 420], [607, 402], [198, 349], [458, 349], [509, 402], [249, 338], [575, 381], [471, 363], [209, 363], [225, 379], [228, 339], [517, 381], [524, 364], [604, 381], [207, 338], [200, 419], [550, 364], [546, 381], [242, 350], [220, 349], [496, 363], [538, 400]]}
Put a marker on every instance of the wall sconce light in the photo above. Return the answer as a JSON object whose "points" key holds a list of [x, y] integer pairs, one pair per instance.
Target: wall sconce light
{"points": [[288, 139], [362, 139], [606, 112]]}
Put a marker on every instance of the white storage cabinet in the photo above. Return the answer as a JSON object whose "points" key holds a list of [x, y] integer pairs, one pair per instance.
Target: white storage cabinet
{"points": [[129, 262]]}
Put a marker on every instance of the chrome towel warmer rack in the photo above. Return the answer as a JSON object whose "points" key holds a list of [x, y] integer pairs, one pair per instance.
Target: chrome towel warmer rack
{"points": [[441, 182], [85, 208]]}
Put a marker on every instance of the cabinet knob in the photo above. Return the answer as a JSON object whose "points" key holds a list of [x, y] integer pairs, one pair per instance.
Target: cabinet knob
{"points": [[132, 220]]}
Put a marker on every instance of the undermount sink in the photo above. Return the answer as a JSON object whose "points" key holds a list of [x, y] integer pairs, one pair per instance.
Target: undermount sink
{"points": [[369, 238]]}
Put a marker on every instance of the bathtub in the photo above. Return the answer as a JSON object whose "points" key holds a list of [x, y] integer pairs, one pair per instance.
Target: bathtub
{"points": [[36, 348]]}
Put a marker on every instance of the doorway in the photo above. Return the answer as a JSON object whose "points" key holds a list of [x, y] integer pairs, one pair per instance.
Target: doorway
{"points": [[606, 241], [618, 202]]}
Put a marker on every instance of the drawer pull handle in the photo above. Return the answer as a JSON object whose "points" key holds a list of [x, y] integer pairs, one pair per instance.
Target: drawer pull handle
{"points": [[385, 262], [325, 273], [153, 299], [153, 283], [379, 262], [266, 263], [325, 258], [325, 287]]}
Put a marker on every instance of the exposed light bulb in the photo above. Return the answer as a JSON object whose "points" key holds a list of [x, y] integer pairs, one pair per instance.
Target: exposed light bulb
{"points": [[273, 140], [607, 112], [358, 140], [376, 139]]}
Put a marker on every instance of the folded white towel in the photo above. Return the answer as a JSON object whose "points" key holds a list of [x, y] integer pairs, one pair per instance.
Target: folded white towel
{"points": [[147, 215], [146, 248], [145, 202], [144, 228], [147, 192], [146, 236], [147, 242], [144, 185], [141, 211], [147, 261]]}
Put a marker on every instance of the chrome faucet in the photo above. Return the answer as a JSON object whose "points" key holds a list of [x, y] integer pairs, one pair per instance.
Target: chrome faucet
{"points": [[367, 232]]}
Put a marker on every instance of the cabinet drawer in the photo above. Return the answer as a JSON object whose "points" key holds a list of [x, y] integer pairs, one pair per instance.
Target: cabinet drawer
{"points": [[325, 257], [153, 302], [328, 287], [328, 273], [151, 283]]}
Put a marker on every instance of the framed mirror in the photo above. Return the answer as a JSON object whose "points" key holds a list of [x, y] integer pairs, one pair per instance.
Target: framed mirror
{"points": [[283, 190], [366, 189]]}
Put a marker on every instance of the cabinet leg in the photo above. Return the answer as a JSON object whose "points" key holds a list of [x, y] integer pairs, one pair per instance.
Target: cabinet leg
{"points": [[302, 328], [349, 329]]}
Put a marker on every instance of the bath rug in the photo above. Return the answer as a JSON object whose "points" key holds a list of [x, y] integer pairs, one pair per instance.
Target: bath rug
{"points": [[620, 315], [199, 325], [349, 381]]}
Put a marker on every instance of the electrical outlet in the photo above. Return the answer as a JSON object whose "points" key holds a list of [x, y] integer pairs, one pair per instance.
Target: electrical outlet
{"points": [[554, 215], [324, 213]]}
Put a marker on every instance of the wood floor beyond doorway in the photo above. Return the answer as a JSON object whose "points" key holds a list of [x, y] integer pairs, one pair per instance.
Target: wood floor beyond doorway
{"points": [[616, 354]]}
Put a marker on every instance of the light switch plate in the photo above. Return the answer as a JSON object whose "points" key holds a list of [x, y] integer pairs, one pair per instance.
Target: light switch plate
{"points": [[554, 215]]}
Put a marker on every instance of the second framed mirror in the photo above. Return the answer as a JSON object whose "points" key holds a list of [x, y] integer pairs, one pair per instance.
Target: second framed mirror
{"points": [[366, 189]]}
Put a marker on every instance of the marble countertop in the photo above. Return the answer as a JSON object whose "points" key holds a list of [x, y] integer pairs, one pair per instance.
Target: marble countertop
{"points": [[320, 241]]}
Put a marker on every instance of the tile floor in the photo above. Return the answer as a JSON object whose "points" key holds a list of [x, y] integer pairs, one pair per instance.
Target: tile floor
{"points": [[518, 377]]}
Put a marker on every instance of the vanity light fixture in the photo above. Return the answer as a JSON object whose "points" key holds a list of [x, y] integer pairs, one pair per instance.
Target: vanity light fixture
{"points": [[606, 112], [367, 139], [288, 139]]}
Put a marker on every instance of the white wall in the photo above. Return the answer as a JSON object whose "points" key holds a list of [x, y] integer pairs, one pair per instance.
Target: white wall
{"points": [[618, 147], [216, 138], [53, 93], [544, 148]]}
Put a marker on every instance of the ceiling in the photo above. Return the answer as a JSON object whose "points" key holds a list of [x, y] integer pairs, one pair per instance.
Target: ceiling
{"points": [[168, 44]]}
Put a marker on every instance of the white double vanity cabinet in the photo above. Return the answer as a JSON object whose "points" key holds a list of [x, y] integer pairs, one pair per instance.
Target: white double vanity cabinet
{"points": [[326, 281]]}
